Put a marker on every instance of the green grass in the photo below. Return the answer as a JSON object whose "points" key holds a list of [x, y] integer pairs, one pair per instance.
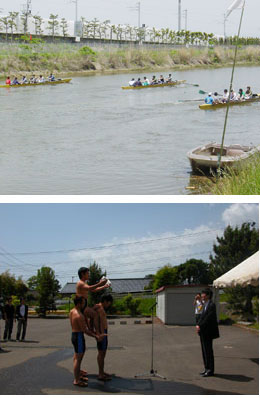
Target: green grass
{"points": [[254, 326], [246, 181], [65, 57]]}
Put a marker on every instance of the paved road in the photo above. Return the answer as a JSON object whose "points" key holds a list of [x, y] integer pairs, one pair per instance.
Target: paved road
{"points": [[43, 364]]}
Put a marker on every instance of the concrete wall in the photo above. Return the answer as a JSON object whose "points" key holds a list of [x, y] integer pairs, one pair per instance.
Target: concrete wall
{"points": [[160, 308]]}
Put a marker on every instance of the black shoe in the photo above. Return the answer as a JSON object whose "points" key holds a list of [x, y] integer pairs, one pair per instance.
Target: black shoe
{"points": [[202, 373], [208, 374]]}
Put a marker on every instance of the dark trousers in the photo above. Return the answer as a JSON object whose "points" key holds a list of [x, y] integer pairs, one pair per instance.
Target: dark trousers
{"points": [[197, 317], [21, 324], [207, 352], [8, 328]]}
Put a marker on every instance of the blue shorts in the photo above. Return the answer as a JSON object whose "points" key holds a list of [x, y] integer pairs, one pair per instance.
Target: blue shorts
{"points": [[102, 345], [78, 341]]}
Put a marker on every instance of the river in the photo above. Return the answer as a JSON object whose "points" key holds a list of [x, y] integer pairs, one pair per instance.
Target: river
{"points": [[92, 137]]}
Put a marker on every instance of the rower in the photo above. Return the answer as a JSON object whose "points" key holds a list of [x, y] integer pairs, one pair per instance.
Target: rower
{"points": [[146, 81], [161, 80], [8, 81], [138, 82], [249, 93], [132, 82], [33, 79], [240, 95], [233, 96], [41, 79], [24, 80], [154, 80], [15, 81], [51, 78], [225, 96], [209, 99], [169, 78]]}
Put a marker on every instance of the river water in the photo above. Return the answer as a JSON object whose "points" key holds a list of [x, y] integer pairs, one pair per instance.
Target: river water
{"points": [[92, 137]]}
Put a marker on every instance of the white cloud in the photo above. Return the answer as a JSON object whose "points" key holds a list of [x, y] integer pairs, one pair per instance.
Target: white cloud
{"points": [[238, 213], [136, 260]]}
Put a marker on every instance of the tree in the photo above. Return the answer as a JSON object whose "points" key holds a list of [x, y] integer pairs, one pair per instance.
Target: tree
{"points": [[12, 22], [48, 287], [38, 21], [53, 24], [95, 274], [5, 22], [64, 27], [235, 246], [195, 271], [9, 286], [166, 275], [24, 18]]}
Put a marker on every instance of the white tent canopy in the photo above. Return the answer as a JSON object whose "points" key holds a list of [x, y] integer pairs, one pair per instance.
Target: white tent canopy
{"points": [[245, 273]]}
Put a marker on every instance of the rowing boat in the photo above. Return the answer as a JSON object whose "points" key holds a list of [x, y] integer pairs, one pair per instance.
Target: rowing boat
{"points": [[204, 159], [36, 84], [231, 103], [154, 85]]}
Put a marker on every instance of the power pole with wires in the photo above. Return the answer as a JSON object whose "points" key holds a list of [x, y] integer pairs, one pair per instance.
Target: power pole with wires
{"points": [[27, 10], [225, 20], [137, 8]]}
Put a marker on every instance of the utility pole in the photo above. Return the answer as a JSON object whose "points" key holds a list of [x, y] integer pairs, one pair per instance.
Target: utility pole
{"points": [[137, 8], [225, 20], [185, 12], [179, 16], [76, 9], [27, 11]]}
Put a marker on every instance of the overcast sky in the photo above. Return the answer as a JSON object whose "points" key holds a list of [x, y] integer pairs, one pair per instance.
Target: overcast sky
{"points": [[175, 233], [203, 15]]}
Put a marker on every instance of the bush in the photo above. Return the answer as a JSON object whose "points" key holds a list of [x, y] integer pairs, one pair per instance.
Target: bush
{"points": [[132, 305], [88, 51]]}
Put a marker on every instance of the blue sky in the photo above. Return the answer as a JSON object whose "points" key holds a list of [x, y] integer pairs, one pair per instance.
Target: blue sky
{"points": [[203, 15], [177, 232]]}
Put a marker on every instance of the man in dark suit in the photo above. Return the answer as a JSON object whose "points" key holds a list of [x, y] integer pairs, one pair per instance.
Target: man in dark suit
{"points": [[21, 316], [207, 328]]}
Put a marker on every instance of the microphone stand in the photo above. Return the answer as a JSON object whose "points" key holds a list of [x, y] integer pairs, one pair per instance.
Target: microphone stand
{"points": [[152, 373]]}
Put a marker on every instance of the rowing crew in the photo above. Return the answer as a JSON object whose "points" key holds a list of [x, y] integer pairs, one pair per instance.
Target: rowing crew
{"points": [[212, 99], [147, 82], [33, 79]]}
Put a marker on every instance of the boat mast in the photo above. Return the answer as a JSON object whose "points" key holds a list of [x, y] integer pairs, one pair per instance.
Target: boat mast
{"points": [[230, 88]]}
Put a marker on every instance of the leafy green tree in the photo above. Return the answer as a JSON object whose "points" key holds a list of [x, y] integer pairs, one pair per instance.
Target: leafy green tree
{"points": [[53, 24], [9, 286], [235, 246], [64, 27], [24, 19], [95, 274], [12, 22], [132, 304], [38, 21], [5, 22], [48, 287], [166, 275], [195, 271]]}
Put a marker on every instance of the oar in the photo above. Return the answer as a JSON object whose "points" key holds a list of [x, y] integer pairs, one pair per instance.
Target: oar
{"points": [[192, 84], [205, 92], [192, 100]]}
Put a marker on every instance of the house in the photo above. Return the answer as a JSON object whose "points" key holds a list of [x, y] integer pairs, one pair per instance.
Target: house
{"points": [[121, 286]]}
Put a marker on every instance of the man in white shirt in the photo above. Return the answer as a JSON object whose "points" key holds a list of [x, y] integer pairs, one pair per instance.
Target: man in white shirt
{"points": [[21, 316], [132, 82]]}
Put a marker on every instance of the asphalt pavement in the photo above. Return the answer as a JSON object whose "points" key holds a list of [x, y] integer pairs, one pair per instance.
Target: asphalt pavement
{"points": [[43, 363]]}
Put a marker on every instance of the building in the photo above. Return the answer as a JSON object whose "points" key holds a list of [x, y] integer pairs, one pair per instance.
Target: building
{"points": [[175, 303], [122, 287]]}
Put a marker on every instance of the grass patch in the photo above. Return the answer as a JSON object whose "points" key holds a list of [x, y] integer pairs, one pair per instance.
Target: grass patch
{"points": [[246, 181], [67, 57], [254, 326], [225, 319]]}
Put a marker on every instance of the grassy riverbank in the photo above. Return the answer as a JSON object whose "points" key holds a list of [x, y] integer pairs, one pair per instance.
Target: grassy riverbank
{"points": [[244, 182], [68, 58]]}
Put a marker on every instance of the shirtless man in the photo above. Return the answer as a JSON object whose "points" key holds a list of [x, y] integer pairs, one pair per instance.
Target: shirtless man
{"points": [[79, 327], [106, 302], [82, 290]]}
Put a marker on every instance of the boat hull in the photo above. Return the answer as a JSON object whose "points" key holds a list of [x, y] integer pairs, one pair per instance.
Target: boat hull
{"points": [[36, 84], [154, 85], [202, 163], [231, 103]]}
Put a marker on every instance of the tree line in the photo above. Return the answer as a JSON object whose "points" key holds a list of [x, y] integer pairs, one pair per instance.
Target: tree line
{"points": [[95, 29]]}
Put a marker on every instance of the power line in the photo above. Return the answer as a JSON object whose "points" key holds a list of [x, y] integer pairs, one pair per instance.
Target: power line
{"points": [[114, 245]]}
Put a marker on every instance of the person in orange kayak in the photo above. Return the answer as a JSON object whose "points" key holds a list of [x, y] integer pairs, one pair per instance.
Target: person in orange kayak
{"points": [[8, 81]]}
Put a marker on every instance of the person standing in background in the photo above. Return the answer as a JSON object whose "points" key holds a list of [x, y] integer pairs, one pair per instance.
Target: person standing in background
{"points": [[198, 307], [21, 316], [1, 317], [9, 319]]}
